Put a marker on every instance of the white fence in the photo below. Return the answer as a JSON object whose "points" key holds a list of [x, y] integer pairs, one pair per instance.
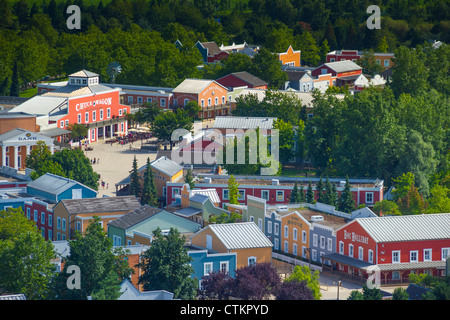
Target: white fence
{"points": [[322, 207], [295, 262]]}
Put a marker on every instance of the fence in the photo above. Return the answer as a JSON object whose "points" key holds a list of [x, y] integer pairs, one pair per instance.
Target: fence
{"points": [[295, 261]]}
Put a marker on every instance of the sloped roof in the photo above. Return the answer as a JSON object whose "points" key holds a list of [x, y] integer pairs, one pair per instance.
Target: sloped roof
{"points": [[12, 135], [195, 86], [83, 73], [199, 198], [408, 228], [211, 193], [249, 78], [41, 105], [230, 122], [134, 217], [54, 184], [167, 166], [212, 47], [75, 91], [243, 235], [106, 204], [342, 66]]}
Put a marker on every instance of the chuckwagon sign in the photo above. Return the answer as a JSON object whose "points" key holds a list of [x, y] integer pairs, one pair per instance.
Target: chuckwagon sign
{"points": [[85, 105]]}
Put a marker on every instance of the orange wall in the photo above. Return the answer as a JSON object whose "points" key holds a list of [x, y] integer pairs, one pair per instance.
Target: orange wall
{"points": [[292, 222], [290, 56], [27, 123]]}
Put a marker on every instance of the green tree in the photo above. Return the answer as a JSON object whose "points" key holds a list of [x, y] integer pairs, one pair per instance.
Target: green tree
{"points": [[41, 161], [267, 67], [149, 191], [295, 194], [304, 273], [320, 195], [386, 208], [233, 191], [355, 295], [102, 267], [78, 131], [310, 193], [192, 108], [400, 294], [402, 184], [371, 294], [346, 201], [14, 90], [310, 49], [167, 122], [286, 139], [189, 179], [25, 257], [135, 184], [369, 64], [439, 200], [165, 266]]}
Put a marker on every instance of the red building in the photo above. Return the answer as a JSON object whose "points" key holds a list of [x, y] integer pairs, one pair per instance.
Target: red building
{"points": [[395, 246], [383, 59], [41, 213], [344, 72], [277, 190], [242, 79]]}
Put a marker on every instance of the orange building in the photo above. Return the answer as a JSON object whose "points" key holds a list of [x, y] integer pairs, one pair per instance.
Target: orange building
{"points": [[290, 57], [210, 95], [295, 233]]}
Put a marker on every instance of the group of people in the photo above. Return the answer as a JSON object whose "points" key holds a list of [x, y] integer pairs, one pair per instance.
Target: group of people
{"points": [[105, 184], [132, 137], [95, 160]]}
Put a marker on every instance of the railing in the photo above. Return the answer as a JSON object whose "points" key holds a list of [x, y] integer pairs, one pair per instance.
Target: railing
{"points": [[295, 261]]}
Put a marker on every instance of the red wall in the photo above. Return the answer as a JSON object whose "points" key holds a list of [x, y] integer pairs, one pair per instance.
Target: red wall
{"points": [[40, 208]]}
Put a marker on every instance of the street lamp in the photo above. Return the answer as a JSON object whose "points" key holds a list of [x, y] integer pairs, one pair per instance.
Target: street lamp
{"points": [[339, 283]]}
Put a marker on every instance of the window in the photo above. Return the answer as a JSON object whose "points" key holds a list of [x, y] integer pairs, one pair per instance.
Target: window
{"points": [[50, 234], [280, 195], [265, 194], [128, 242], [86, 117], [202, 103], [94, 115], [304, 252], [35, 215], [395, 256], [224, 266], [276, 244], [42, 217], [395, 275], [43, 232], [360, 253], [216, 101], [294, 249], [269, 226], [315, 240], [223, 99], [330, 244], [28, 213], [386, 63], [108, 113], [427, 255], [209, 102], [130, 99], [139, 99], [84, 81], [377, 61], [175, 191], [277, 229], [163, 102], [207, 268], [350, 250], [120, 112], [241, 195], [294, 234], [445, 252], [58, 222], [186, 101], [369, 197], [251, 260], [322, 242], [63, 224], [78, 225], [332, 60], [79, 118], [371, 256], [61, 123], [260, 222], [414, 256], [286, 231], [149, 99], [117, 241], [101, 114], [286, 247], [314, 255], [225, 194], [304, 236]]}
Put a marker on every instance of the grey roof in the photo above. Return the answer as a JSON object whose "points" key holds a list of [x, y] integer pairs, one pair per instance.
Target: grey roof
{"points": [[167, 166], [107, 204], [408, 228], [193, 85], [55, 132], [342, 66], [230, 122], [438, 264], [129, 292], [75, 91], [199, 198], [134, 217], [249, 78], [347, 260], [212, 47], [243, 235], [41, 105], [14, 133], [211, 193], [54, 184], [187, 212], [83, 73]]}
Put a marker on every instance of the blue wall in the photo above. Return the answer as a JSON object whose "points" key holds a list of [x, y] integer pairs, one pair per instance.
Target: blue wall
{"points": [[327, 234], [200, 257], [271, 235]]}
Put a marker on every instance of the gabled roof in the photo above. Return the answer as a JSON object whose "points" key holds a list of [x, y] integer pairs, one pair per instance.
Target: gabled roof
{"points": [[212, 47], [129, 292], [195, 86], [211, 193], [231, 122], [166, 166], [75, 90], [199, 198], [342, 66], [134, 217], [249, 78], [407, 228], [41, 105], [243, 235], [54, 184], [14, 135], [106, 204]]}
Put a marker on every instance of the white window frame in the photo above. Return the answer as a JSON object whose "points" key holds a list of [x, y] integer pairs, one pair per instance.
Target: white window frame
{"points": [[425, 252], [108, 113], [79, 118], [330, 244], [445, 252], [225, 194], [120, 112], [279, 199], [58, 223], [35, 215], [63, 224], [101, 114], [322, 242], [224, 266], [276, 228], [94, 115], [286, 247], [350, 250], [263, 193], [28, 213], [269, 227], [276, 244], [396, 255], [86, 117], [251, 260], [341, 247], [303, 236], [294, 249], [360, 253], [369, 195], [413, 253], [286, 231], [370, 258], [117, 241], [294, 234], [163, 102], [207, 266], [42, 217], [315, 240]]}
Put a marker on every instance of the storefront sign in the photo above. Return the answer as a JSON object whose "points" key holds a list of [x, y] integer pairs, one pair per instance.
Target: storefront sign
{"points": [[355, 237]]}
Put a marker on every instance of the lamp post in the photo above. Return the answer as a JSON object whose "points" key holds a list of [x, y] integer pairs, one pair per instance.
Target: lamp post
{"points": [[339, 283]]}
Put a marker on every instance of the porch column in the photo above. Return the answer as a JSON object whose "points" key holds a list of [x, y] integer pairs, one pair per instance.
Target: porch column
{"points": [[52, 148], [3, 155], [28, 149], [16, 157], [111, 131]]}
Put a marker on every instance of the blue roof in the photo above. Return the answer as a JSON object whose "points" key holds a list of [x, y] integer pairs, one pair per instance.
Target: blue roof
{"points": [[54, 184]]}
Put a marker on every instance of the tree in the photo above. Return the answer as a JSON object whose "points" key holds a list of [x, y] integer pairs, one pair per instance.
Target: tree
{"points": [[256, 281], [346, 201], [371, 294], [294, 290], [402, 184], [400, 294], [189, 179], [355, 295], [25, 257], [233, 191], [266, 66], [301, 193], [295, 194], [319, 188], [135, 184], [286, 139], [386, 208], [310, 193], [328, 195], [40, 159], [192, 108], [102, 267], [369, 64], [310, 50], [78, 131], [14, 90], [167, 122], [149, 192], [439, 200], [216, 286], [165, 266], [304, 273]]}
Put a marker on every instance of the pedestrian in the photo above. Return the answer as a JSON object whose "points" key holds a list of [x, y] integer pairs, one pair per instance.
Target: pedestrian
{"points": [[107, 186], [94, 160], [98, 160], [103, 184]]}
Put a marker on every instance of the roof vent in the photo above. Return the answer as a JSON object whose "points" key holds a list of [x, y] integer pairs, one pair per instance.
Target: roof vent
{"points": [[316, 218], [275, 182]]}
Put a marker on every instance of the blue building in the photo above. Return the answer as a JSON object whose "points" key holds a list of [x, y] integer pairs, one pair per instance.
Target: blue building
{"points": [[54, 188], [207, 261], [273, 227]]}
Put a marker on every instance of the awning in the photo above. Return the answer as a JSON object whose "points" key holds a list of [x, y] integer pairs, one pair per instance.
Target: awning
{"points": [[339, 258], [55, 132]]}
